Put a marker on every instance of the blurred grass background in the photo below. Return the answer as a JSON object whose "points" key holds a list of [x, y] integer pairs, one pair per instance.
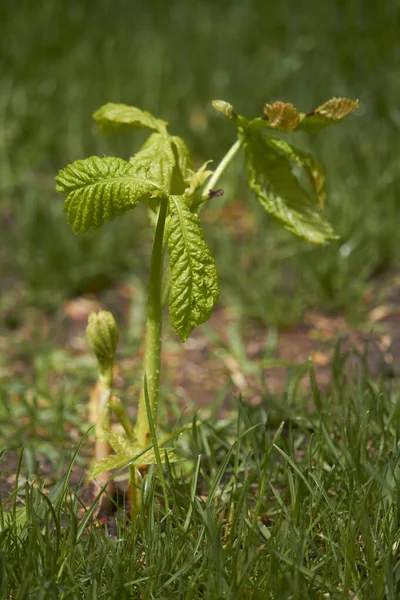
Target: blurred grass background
{"points": [[61, 60]]}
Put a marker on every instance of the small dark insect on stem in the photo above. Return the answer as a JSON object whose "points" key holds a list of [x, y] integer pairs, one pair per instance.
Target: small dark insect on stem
{"points": [[215, 193]]}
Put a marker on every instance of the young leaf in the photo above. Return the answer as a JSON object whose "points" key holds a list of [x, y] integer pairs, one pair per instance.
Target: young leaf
{"points": [[329, 113], [281, 116], [112, 117], [194, 278], [285, 117], [306, 160], [133, 455], [156, 159], [184, 163], [195, 180], [121, 444], [102, 188], [225, 108], [164, 159], [184, 158], [279, 191], [113, 461]]}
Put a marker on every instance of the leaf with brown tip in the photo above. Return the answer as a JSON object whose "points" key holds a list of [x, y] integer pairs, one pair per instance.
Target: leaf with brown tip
{"points": [[330, 113], [281, 116]]}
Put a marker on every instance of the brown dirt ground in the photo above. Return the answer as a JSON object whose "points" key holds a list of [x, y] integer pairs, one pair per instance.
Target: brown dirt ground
{"points": [[196, 371]]}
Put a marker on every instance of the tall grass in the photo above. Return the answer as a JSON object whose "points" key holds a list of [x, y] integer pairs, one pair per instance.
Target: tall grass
{"points": [[259, 508]]}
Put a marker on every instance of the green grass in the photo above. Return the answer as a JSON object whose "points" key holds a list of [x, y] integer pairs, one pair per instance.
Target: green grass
{"points": [[62, 60], [257, 509]]}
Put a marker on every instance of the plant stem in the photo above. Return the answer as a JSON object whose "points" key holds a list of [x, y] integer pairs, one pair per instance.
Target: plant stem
{"points": [[216, 176], [103, 424], [152, 357], [119, 410], [134, 494]]}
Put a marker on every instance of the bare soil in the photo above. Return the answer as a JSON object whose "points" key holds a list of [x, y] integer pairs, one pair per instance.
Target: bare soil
{"points": [[195, 373]]}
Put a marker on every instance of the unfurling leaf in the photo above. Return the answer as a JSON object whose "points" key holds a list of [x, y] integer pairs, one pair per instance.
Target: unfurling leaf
{"points": [[102, 335], [306, 160], [330, 113], [195, 180], [102, 188], [225, 108], [128, 453], [182, 154], [112, 117], [194, 279], [285, 117], [281, 116], [280, 193]]}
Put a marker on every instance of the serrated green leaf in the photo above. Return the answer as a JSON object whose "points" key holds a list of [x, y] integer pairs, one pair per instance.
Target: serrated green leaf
{"points": [[330, 113], [280, 193], [285, 117], [194, 278], [156, 159], [120, 443], [112, 117], [102, 188], [184, 163], [135, 455], [114, 461], [165, 159], [306, 160], [281, 116], [149, 457]]}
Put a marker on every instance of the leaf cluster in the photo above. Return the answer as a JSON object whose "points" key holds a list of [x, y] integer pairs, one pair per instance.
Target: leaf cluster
{"points": [[126, 453], [270, 160], [162, 171]]}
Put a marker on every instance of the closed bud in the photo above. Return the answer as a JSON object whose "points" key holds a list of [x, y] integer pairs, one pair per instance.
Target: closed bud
{"points": [[102, 335], [225, 108]]}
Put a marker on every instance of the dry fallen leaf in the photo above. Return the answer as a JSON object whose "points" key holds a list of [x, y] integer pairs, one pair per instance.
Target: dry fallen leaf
{"points": [[234, 370], [78, 309], [379, 313], [321, 359]]}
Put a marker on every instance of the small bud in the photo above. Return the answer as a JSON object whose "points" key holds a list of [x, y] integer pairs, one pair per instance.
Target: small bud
{"points": [[102, 335], [225, 108]]}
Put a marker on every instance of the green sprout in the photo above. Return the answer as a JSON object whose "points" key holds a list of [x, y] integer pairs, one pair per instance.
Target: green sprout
{"points": [[102, 335], [161, 175]]}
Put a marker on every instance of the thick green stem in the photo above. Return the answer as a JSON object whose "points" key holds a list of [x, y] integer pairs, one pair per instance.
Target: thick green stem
{"points": [[152, 356]]}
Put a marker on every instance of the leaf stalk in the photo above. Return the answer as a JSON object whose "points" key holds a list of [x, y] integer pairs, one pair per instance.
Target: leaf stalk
{"points": [[219, 171]]}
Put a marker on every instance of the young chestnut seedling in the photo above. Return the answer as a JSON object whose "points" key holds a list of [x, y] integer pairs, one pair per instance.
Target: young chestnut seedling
{"points": [[161, 176]]}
